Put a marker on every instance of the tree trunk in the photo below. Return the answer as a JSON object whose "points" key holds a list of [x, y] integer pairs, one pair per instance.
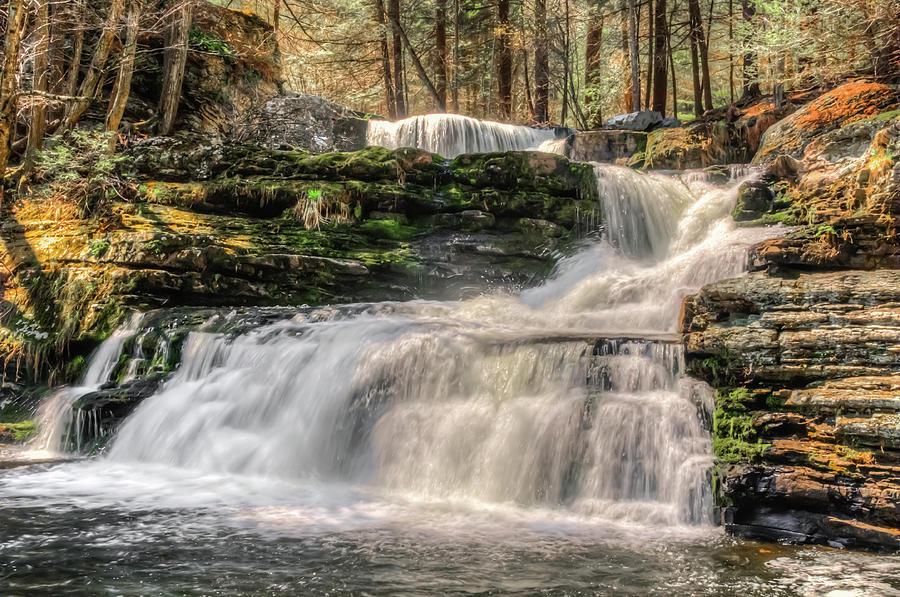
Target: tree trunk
{"points": [[94, 75], [565, 98], [730, 52], [504, 60], [455, 87], [174, 59], [123, 81], [276, 14], [528, 99], [671, 57], [651, 40], [750, 88], [440, 40], [696, 33], [593, 63], [385, 62], [15, 28], [660, 58], [77, 47], [39, 74], [633, 50], [420, 70], [393, 13], [541, 113], [704, 60]]}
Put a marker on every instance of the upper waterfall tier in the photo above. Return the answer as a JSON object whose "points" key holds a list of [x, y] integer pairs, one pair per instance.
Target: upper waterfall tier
{"points": [[451, 135]]}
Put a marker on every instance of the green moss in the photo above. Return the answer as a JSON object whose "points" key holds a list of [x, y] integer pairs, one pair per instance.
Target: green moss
{"points": [[890, 115], [791, 217], [734, 434], [390, 229], [20, 431], [98, 247], [732, 450], [207, 41]]}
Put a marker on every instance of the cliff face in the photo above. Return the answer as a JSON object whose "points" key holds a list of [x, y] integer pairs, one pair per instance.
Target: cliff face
{"points": [[803, 352]]}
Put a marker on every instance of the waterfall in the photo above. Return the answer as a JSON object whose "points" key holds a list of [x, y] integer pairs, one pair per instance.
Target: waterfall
{"points": [[569, 396], [56, 431], [451, 135]]}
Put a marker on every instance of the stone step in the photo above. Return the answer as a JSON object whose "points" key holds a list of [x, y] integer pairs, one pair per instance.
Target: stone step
{"points": [[855, 394], [879, 430]]}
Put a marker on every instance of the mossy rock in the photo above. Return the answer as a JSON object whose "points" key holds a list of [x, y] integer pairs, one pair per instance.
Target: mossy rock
{"points": [[754, 199]]}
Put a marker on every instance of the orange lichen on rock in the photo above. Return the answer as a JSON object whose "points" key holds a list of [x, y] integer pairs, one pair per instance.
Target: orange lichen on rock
{"points": [[850, 105], [847, 103], [757, 109]]}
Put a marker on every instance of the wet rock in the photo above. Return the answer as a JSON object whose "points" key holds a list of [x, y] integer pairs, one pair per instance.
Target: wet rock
{"points": [[754, 199]]}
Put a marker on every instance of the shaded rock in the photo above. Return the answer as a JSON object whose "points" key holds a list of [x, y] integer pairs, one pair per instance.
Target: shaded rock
{"points": [[754, 199], [606, 146], [305, 122], [669, 123]]}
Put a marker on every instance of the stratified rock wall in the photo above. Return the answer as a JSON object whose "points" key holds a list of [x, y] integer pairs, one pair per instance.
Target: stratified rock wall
{"points": [[805, 352]]}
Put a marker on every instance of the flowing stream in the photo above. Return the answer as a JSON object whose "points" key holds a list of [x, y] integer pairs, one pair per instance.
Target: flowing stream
{"points": [[503, 444], [451, 134]]}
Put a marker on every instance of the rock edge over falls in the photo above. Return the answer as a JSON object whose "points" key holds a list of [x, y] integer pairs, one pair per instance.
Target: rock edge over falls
{"points": [[803, 352]]}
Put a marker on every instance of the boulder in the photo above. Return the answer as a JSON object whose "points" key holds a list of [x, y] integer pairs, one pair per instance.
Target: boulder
{"points": [[669, 123], [635, 121], [606, 146], [305, 122], [839, 108], [697, 145], [754, 199]]}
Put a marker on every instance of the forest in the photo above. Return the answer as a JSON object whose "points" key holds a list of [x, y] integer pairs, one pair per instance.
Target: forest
{"points": [[568, 62]]}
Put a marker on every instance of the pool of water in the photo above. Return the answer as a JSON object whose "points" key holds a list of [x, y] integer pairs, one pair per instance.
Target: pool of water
{"points": [[93, 527]]}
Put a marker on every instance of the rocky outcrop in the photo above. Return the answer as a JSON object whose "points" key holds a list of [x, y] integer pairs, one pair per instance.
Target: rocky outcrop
{"points": [[242, 225], [803, 352], [233, 91], [305, 122], [806, 426], [605, 146], [835, 111]]}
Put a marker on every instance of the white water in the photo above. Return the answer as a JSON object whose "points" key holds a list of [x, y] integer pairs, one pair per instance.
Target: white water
{"points": [[499, 399], [569, 398], [54, 418], [451, 135]]}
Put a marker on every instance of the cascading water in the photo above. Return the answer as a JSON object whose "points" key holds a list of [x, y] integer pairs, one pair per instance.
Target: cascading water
{"points": [[542, 443], [570, 396], [57, 431], [451, 135]]}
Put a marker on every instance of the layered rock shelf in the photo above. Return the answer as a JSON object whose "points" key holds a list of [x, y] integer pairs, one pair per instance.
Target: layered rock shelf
{"points": [[805, 352]]}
